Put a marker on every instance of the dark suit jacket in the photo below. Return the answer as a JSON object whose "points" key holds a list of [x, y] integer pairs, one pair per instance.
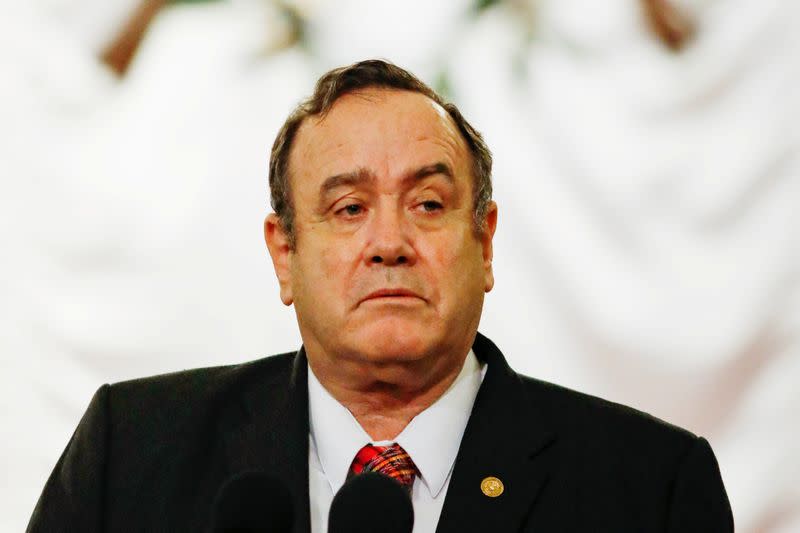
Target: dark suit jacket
{"points": [[151, 454]]}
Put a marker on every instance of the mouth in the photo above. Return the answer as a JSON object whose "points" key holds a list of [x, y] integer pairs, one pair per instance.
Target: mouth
{"points": [[389, 295]]}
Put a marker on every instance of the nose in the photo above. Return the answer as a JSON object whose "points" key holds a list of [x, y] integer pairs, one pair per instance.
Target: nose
{"points": [[389, 239]]}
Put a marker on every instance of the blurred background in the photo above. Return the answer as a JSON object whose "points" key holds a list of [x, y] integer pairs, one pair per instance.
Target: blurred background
{"points": [[646, 168]]}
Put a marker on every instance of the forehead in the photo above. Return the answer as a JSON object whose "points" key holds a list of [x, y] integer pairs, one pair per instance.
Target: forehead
{"points": [[385, 131]]}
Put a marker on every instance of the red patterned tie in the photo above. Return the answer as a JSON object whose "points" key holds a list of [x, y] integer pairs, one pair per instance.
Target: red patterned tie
{"points": [[392, 461]]}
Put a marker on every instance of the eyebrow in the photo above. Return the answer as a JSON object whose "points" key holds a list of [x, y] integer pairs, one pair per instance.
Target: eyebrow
{"points": [[356, 177], [429, 170], [363, 175]]}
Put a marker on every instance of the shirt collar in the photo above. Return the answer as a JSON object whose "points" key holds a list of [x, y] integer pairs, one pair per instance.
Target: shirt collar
{"points": [[432, 438]]}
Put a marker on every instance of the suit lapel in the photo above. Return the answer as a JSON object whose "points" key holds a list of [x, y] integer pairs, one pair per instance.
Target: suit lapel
{"points": [[504, 439], [272, 434]]}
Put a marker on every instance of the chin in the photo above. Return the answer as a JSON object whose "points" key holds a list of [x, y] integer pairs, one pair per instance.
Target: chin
{"points": [[396, 343]]}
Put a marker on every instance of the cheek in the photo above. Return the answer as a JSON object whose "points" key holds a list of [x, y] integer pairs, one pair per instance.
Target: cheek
{"points": [[328, 266], [457, 262], [332, 267]]}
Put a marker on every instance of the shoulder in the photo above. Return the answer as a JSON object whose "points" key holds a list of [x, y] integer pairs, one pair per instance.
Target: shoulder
{"points": [[590, 425], [585, 425], [666, 473], [199, 381], [186, 397]]}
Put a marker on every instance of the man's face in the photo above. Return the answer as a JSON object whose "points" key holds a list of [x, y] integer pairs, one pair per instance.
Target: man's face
{"points": [[387, 266]]}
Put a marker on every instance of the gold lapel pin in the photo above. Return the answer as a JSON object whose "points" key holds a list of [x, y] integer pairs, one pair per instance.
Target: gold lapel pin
{"points": [[492, 487]]}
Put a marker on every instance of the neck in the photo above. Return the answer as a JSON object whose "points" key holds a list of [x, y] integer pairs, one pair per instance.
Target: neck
{"points": [[385, 398]]}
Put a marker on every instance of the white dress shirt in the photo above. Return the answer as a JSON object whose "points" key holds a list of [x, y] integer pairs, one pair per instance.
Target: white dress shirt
{"points": [[432, 440]]}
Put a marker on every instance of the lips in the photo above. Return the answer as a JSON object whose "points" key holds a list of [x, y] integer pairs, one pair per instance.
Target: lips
{"points": [[392, 293]]}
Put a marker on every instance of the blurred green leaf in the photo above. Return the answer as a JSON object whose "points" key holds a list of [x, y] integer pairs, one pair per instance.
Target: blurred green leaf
{"points": [[482, 5], [443, 86]]}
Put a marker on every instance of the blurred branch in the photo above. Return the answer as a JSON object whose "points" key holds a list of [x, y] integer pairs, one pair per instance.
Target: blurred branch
{"points": [[119, 52], [669, 22], [290, 32]]}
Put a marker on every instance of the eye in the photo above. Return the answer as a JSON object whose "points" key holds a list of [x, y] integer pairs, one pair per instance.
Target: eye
{"points": [[431, 206], [351, 210]]}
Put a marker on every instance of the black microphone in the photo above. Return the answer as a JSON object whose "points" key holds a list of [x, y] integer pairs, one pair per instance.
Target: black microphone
{"points": [[371, 503], [253, 502]]}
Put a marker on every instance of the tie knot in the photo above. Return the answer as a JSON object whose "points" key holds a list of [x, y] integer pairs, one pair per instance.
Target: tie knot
{"points": [[392, 461]]}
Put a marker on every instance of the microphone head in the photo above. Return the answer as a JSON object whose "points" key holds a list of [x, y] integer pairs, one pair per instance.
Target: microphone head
{"points": [[371, 503], [253, 502]]}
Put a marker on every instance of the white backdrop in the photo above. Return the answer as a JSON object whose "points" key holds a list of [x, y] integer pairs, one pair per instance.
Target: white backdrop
{"points": [[648, 248]]}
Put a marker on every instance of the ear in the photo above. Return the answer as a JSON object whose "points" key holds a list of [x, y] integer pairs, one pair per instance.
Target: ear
{"points": [[489, 227], [281, 254]]}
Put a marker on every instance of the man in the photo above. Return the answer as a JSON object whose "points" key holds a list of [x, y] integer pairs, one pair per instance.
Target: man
{"points": [[382, 241]]}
